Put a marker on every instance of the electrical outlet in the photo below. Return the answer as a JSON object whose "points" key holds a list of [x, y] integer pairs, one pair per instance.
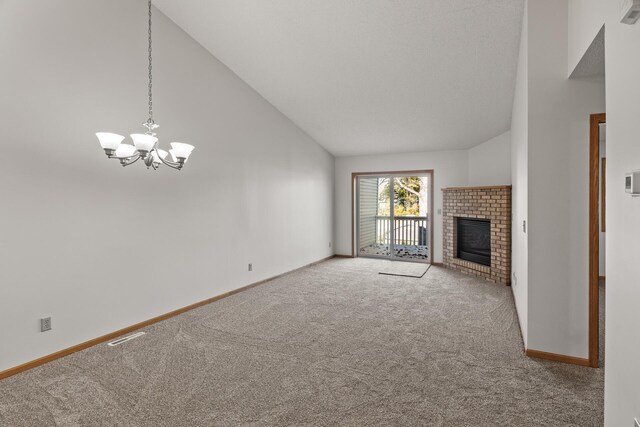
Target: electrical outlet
{"points": [[250, 267], [45, 324], [439, 211], [524, 226]]}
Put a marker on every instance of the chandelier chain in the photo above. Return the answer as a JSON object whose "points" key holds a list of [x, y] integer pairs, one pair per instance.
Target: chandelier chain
{"points": [[150, 68]]}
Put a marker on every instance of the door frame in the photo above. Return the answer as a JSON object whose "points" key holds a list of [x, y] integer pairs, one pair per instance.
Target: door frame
{"points": [[355, 175], [595, 120]]}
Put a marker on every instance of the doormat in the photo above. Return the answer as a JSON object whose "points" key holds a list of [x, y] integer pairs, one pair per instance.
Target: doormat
{"points": [[405, 269]]}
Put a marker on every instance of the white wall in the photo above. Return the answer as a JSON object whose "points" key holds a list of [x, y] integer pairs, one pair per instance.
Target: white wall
{"points": [[558, 178], [450, 170], [622, 399], [99, 247], [490, 162], [519, 179], [550, 134], [622, 60]]}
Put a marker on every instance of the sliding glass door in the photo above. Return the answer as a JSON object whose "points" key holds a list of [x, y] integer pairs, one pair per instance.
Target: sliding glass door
{"points": [[393, 216]]}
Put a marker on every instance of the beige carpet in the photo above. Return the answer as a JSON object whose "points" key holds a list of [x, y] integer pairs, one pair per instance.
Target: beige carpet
{"points": [[333, 344]]}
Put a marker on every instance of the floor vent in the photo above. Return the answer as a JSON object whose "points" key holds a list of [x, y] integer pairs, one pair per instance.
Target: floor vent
{"points": [[125, 339]]}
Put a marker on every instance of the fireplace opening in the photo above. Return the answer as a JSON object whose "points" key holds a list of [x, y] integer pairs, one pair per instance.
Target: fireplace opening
{"points": [[474, 240]]}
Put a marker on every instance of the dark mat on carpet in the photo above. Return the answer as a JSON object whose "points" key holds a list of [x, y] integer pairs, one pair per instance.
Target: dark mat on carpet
{"points": [[405, 269]]}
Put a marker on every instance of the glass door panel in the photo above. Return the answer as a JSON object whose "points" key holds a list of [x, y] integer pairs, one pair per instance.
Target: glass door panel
{"points": [[374, 225], [410, 218]]}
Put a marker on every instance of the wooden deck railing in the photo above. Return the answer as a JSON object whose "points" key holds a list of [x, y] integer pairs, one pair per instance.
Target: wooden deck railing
{"points": [[409, 230]]}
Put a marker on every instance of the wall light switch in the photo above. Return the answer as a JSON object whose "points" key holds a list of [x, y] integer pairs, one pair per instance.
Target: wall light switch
{"points": [[439, 211], [524, 226], [632, 183]]}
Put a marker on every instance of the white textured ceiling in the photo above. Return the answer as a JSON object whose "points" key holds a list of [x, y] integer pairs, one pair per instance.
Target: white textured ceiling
{"points": [[370, 76]]}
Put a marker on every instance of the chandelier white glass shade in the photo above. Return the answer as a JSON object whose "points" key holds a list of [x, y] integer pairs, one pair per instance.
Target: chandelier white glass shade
{"points": [[145, 145]]}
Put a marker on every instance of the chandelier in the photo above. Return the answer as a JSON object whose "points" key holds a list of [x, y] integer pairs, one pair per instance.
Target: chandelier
{"points": [[145, 145]]}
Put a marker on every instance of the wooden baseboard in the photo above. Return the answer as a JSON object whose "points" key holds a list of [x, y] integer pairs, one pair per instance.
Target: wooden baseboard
{"points": [[110, 336], [343, 256], [437, 264], [558, 357]]}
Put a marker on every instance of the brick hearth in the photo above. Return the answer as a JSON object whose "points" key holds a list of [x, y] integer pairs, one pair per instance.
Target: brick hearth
{"points": [[492, 203]]}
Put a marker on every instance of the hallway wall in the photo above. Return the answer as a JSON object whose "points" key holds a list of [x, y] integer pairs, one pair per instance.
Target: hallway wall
{"points": [[622, 62], [550, 141]]}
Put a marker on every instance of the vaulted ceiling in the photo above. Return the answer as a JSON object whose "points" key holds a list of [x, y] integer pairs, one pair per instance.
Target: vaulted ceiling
{"points": [[370, 76]]}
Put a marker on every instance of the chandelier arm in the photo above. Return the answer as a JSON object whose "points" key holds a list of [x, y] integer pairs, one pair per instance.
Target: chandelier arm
{"points": [[129, 160], [174, 165]]}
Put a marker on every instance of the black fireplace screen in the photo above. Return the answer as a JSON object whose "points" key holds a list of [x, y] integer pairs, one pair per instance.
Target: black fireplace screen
{"points": [[474, 240]]}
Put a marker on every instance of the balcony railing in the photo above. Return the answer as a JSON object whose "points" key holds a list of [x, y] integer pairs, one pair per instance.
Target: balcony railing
{"points": [[409, 230]]}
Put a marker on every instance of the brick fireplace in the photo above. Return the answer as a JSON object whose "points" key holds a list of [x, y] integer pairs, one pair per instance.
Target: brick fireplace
{"points": [[482, 205]]}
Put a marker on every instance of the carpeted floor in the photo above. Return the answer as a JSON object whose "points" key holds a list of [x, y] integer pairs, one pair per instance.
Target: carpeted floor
{"points": [[333, 344]]}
